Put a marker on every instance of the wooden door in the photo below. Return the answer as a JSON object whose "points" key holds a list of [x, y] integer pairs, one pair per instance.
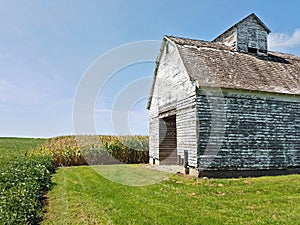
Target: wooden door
{"points": [[168, 141]]}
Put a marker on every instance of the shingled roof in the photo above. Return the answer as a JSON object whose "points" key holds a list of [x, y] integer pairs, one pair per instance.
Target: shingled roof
{"points": [[216, 65]]}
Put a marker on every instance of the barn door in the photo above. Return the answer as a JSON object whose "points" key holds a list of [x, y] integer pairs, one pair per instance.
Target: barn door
{"points": [[168, 141]]}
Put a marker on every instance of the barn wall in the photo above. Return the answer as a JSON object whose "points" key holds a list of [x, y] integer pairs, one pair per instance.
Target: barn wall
{"points": [[187, 129], [173, 92], [261, 131], [153, 139]]}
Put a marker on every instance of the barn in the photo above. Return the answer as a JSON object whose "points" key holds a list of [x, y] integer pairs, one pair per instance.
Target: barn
{"points": [[227, 107]]}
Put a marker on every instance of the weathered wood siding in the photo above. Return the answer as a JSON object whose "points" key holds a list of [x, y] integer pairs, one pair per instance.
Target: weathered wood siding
{"points": [[229, 39], [247, 34], [153, 139], [261, 131], [187, 129], [251, 34], [173, 93]]}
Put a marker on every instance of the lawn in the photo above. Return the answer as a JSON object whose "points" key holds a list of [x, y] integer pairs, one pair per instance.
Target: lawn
{"points": [[82, 195], [133, 194]]}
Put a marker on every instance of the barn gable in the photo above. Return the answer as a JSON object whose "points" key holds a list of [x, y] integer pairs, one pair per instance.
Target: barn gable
{"points": [[169, 72]]}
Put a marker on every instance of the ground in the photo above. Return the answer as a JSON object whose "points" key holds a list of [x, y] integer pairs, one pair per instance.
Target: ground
{"points": [[82, 195], [135, 194]]}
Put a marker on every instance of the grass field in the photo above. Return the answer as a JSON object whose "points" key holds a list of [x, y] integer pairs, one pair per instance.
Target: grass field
{"points": [[82, 196], [88, 195], [11, 148]]}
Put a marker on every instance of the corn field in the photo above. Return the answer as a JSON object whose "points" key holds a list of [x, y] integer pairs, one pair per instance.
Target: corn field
{"points": [[94, 150]]}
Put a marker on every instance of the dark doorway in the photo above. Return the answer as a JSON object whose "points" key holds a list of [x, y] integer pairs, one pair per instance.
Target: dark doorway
{"points": [[168, 141]]}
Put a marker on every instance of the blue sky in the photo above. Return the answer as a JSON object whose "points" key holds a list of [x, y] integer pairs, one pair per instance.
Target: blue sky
{"points": [[46, 46]]}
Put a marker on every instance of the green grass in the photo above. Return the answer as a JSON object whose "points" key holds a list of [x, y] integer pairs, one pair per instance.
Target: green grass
{"points": [[82, 196], [87, 195], [131, 174], [12, 148]]}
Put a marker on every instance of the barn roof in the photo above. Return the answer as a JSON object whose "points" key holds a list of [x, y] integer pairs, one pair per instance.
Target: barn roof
{"points": [[211, 64], [216, 65]]}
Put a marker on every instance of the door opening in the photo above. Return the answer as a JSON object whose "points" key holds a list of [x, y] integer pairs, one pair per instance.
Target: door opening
{"points": [[168, 141]]}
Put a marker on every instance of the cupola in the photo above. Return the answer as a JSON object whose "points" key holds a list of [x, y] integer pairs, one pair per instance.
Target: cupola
{"points": [[250, 35]]}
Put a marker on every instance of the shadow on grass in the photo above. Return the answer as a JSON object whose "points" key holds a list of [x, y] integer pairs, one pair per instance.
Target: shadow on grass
{"points": [[131, 174], [45, 197]]}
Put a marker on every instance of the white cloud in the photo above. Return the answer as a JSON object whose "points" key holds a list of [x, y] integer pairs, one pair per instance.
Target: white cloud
{"points": [[284, 41]]}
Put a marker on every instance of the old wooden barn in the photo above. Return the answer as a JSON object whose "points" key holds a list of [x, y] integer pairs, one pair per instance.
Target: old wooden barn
{"points": [[228, 107]]}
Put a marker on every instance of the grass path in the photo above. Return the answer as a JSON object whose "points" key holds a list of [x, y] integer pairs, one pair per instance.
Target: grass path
{"points": [[82, 196]]}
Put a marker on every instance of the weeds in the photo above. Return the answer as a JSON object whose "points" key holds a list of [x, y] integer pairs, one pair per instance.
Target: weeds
{"points": [[95, 150]]}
